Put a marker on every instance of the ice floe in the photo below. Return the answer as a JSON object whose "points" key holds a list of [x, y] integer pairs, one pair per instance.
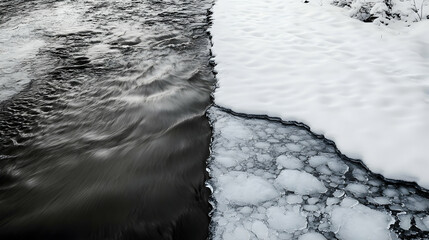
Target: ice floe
{"points": [[300, 182], [270, 191]]}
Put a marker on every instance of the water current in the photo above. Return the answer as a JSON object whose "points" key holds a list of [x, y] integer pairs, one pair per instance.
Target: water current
{"points": [[107, 137]]}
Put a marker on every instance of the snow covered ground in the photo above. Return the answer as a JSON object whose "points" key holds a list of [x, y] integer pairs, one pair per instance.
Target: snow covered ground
{"points": [[403, 12], [276, 181], [364, 86]]}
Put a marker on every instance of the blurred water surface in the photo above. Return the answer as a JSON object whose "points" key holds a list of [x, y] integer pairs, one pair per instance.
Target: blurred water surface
{"points": [[107, 137]]}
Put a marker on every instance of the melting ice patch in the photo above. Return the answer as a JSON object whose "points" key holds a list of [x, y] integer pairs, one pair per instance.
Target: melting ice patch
{"points": [[263, 188]]}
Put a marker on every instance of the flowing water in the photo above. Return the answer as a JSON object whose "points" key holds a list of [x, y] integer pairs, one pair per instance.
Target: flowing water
{"points": [[107, 137]]}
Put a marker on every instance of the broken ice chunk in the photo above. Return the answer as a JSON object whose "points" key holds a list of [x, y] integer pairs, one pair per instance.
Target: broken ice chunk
{"points": [[289, 162], [405, 221], [239, 233], [338, 167], [262, 145], [360, 175], [294, 147], [338, 193], [312, 201], [360, 223], [390, 192], [420, 224], [316, 161], [260, 229], [324, 170], [242, 188], [287, 221], [312, 236], [357, 189], [235, 130], [229, 158], [379, 200], [300, 182], [417, 203], [311, 208], [332, 201], [349, 202], [426, 221], [293, 199]]}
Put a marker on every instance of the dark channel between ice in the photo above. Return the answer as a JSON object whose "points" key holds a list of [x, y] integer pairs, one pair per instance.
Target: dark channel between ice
{"points": [[110, 138], [249, 153]]}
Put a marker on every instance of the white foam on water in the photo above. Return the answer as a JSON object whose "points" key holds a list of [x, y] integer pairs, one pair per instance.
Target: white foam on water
{"points": [[22, 37]]}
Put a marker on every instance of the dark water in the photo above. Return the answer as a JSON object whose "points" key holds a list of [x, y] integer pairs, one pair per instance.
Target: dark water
{"points": [[110, 138]]}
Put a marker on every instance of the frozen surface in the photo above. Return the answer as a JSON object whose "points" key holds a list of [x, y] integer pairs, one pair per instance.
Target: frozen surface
{"points": [[271, 191], [366, 87], [360, 223], [312, 236], [240, 188], [300, 182]]}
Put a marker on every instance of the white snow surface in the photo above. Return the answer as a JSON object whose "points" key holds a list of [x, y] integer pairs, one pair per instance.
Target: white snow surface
{"points": [[366, 87]]}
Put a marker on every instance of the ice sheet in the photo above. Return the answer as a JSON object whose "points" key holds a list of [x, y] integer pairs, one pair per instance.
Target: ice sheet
{"points": [[364, 86]]}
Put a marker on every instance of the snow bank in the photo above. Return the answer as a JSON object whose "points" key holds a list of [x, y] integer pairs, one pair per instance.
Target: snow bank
{"points": [[261, 192], [366, 87]]}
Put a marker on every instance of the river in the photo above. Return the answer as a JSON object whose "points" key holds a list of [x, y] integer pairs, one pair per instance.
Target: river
{"points": [[107, 137]]}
